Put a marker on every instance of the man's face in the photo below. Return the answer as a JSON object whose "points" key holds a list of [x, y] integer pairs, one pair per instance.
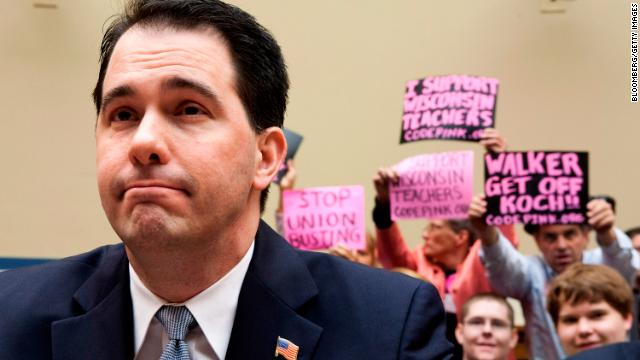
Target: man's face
{"points": [[588, 325], [561, 245], [176, 155], [486, 332], [439, 238]]}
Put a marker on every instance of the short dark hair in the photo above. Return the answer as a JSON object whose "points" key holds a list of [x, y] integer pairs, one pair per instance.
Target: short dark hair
{"points": [[532, 229], [633, 231], [458, 225], [488, 296], [262, 82], [589, 283]]}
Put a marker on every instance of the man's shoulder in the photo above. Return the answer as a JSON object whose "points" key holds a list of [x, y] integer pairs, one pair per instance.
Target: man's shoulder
{"points": [[369, 304], [28, 286], [370, 289], [625, 350]]}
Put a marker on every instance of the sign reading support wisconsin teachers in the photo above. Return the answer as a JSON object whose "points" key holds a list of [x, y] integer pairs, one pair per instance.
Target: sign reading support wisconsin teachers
{"points": [[433, 186], [455, 107], [318, 218], [536, 187]]}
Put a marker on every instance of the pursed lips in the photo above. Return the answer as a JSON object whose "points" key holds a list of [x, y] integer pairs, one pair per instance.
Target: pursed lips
{"points": [[152, 185]]}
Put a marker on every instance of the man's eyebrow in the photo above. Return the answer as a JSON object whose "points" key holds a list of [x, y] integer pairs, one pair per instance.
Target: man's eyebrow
{"points": [[182, 83], [115, 93]]}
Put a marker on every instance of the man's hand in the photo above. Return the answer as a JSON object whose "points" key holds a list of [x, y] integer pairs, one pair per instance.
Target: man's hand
{"points": [[288, 181], [343, 252], [602, 219], [381, 181], [488, 234], [493, 141]]}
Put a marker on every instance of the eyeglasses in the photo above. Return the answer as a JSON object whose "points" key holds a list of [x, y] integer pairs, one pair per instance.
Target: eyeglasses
{"points": [[480, 323]]}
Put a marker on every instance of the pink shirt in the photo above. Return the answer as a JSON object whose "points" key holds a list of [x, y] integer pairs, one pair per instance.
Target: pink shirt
{"points": [[470, 277]]}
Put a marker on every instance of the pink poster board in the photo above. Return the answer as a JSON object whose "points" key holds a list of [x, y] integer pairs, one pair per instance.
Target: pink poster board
{"points": [[452, 107], [318, 218], [433, 186]]}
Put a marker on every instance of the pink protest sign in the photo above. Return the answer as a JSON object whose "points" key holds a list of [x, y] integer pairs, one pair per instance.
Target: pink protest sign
{"points": [[318, 218], [454, 107], [536, 187], [433, 186]]}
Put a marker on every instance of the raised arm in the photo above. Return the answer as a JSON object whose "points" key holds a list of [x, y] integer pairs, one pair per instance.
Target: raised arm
{"points": [[287, 182], [615, 246], [392, 250], [493, 141], [506, 267]]}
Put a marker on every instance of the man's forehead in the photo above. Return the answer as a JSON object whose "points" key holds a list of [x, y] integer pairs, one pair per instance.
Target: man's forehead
{"points": [[201, 51], [438, 222], [478, 309], [584, 305], [157, 35], [558, 228]]}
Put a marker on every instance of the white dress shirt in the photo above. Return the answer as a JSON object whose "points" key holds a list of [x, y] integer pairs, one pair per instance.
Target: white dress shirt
{"points": [[214, 309]]}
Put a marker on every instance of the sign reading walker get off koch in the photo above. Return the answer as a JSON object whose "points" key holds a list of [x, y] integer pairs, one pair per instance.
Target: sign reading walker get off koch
{"points": [[536, 187]]}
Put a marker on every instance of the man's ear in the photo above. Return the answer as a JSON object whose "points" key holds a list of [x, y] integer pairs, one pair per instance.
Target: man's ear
{"points": [[458, 333], [270, 153], [513, 341], [463, 237]]}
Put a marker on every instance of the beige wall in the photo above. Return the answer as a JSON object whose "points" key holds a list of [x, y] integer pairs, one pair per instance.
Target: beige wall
{"points": [[564, 85]]}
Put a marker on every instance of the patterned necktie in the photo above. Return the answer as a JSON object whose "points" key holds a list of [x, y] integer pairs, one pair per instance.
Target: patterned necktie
{"points": [[177, 320]]}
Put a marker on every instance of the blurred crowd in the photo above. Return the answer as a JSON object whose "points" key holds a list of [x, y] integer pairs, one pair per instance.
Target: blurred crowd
{"points": [[574, 299]]}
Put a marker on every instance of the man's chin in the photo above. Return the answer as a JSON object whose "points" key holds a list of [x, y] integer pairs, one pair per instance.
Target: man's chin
{"points": [[151, 229], [485, 354]]}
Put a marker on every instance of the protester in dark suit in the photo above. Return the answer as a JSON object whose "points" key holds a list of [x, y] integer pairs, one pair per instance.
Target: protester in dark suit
{"points": [[190, 100]]}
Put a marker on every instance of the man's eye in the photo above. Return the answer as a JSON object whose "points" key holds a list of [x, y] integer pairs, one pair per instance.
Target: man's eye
{"points": [[123, 115], [497, 324], [569, 320], [597, 314], [191, 110], [475, 322]]}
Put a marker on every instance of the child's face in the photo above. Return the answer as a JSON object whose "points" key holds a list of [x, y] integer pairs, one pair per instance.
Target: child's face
{"points": [[587, 325]]}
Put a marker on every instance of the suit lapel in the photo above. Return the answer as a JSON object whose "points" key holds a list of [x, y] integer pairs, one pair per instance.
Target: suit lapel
{"points": [[276, 286], [104, 330]]}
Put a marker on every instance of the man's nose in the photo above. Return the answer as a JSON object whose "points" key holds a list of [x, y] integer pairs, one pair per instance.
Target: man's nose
{"points": [[584, 327], [486, 327], [149, 143], [425, 233], [562, 243]]}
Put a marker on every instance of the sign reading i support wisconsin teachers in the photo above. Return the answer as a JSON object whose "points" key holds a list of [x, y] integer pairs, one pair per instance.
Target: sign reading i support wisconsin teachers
{"points": [[536, 187], [318, 218], [433, 186], [455, 107]]}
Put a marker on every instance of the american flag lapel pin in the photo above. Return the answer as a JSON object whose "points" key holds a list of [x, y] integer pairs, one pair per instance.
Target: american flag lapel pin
{"points": [[287, 349]]}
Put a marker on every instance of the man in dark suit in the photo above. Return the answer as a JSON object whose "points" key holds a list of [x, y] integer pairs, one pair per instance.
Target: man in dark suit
{"points": [[190, 101], [619, 351]]}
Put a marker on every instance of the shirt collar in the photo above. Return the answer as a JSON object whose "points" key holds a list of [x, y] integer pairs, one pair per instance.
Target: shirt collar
{"points": [[214, 308]]}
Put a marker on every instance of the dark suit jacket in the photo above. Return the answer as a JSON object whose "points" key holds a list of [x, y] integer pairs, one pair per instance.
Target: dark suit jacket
{"points": [[620, 351], [80, 308]]}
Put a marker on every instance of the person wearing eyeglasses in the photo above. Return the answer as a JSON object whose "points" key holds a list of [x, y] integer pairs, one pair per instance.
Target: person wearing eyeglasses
{"points": [[486, 330]]}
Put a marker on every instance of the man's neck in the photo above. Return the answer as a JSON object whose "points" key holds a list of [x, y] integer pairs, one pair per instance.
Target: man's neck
{"points": [[181, 273], [452, 259]]}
